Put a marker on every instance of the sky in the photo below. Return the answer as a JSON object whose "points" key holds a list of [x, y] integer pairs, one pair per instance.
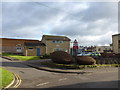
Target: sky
{"points": [[90, 23]]}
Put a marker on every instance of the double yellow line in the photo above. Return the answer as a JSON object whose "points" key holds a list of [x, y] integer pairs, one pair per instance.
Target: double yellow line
{"points": [[18, 81]]}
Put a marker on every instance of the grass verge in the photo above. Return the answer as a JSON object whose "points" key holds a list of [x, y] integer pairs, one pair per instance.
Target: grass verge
{"points": [[6, 77], [21, 58]]}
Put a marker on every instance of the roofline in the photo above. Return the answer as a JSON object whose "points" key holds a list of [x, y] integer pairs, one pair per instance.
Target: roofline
{"points": [[115, 34], [19, 39], [56, 36]]}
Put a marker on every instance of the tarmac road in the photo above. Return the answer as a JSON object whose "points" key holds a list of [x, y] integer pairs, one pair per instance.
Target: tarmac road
{"points": [[34, 78]]}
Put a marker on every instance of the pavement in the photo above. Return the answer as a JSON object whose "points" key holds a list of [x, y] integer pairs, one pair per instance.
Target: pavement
{"points": [[36, 78]]}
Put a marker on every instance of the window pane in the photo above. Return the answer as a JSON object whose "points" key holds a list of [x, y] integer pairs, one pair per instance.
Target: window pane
{"points": [[54, 41]]}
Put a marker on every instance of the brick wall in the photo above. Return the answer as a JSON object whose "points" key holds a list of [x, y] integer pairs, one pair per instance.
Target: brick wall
{"points": [[10, 45]]}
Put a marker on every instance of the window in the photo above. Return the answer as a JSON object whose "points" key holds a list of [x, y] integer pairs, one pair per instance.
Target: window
{"points": [[61, 41], [105, 48], [99, 49], [54, 41], [18, 48], [30, 48]]}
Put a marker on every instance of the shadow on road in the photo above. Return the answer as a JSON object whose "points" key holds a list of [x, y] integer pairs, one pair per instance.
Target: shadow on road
{"points": [[13, 64], [103, 84]]}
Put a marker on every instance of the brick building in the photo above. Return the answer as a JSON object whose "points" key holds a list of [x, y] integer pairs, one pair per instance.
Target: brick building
{"points": [[8, 45], [103, 49], [56, 43], [116, 43], [28, 47], [34, 49]]}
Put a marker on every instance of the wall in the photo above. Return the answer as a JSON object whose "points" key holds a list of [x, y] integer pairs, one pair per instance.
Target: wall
{"points": [[33, 52], [10, 45], [102, 48], [50, 46], [115, 43], [28, 52]]}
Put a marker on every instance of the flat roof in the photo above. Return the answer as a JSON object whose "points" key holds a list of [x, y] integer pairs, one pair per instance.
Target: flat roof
{"points": [[19, 39]]}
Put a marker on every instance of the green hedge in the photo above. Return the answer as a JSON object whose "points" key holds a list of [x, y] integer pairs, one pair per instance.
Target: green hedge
{"points": [[73, 66]]}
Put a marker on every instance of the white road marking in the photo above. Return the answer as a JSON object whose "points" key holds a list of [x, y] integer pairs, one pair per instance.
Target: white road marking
{"points": [[42, 83], [62, 79]]}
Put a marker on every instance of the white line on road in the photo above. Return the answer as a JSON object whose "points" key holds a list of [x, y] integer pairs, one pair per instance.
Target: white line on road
{"points": [[62, 79], [42, 83]]}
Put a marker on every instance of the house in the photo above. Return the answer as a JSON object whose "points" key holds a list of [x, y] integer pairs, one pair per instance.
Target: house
{"points": [[34, 49], [103, 49], [56, 43], [116, 43], [9, 45]]}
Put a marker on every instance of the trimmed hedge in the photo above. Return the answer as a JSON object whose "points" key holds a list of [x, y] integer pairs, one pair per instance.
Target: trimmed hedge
{"points": [[74, 66], [61, 57], [85, 60]]}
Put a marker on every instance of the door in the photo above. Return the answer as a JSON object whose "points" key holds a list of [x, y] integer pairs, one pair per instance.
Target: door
{"points": [[38, 51]]}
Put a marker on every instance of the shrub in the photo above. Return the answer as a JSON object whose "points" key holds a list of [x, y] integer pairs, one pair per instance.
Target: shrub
{"points": [[85, 60], [61, 57]]}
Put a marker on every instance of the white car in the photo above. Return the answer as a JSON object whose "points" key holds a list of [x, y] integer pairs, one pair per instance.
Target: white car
{"points": [[82, 54], [89, 54]]}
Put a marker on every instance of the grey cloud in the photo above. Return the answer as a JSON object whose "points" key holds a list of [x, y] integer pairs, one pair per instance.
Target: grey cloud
{"points": [[32, 20]]}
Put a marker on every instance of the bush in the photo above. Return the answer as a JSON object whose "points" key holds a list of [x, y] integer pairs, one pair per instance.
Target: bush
{"points": [[85, 60], [61, 57]]}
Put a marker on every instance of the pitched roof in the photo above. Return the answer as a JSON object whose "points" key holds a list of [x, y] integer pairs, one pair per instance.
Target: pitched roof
{"points": [[116, 35], [51, 37], [34, 44]]}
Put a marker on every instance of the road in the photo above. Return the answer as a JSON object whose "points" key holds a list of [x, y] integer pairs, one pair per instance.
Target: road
{"points": [[34, 78]]}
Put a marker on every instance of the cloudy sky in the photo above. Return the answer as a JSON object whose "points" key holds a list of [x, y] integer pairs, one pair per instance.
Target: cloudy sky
{"points": [[91, 23]]}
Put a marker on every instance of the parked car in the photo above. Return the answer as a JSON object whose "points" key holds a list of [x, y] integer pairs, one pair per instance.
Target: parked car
{"points": [[92, 54], [82, 54]]}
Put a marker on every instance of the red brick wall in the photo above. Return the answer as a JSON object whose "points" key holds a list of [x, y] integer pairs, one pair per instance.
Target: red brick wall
{"points": [[10, 45]]}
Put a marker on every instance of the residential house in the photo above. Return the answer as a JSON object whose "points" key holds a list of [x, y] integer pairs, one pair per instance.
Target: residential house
{"points": [[56, 43], [116, 43], [103, 49]]}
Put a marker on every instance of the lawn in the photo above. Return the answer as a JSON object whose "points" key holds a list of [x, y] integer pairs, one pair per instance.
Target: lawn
{"points": [[6, 77], [21, 58]]}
